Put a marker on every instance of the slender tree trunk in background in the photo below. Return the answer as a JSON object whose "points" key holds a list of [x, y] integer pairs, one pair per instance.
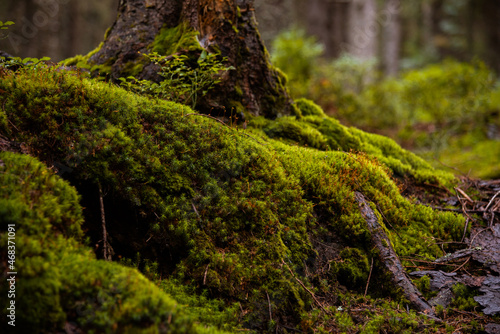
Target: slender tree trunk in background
{"points": [[274, 16], [327, 21], [440, 40], [55, 28], [427, 39], [491, 13], [363, 29], [225, 25], [470, 30], [391, 37]]}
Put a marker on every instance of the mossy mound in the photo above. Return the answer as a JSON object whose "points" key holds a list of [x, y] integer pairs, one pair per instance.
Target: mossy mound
{"points": [[326, 133], [59, 281], [309, 108], [216, 208]]}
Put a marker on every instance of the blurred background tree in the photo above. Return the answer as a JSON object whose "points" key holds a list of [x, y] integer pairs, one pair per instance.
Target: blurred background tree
{"points": [[55, 28]]}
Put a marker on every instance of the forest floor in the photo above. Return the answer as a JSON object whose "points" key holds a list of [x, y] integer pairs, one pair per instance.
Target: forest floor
{"points": [[476, 260]]}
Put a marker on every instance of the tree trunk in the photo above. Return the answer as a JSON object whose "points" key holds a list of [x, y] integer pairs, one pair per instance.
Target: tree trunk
{"points": [[363, 29], [225, 25], [391, 37], [491, 11], [427, 31], [326, 20]]}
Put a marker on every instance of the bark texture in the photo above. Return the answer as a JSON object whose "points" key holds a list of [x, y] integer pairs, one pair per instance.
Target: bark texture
{"points": [[390, 259], [225, 25]]}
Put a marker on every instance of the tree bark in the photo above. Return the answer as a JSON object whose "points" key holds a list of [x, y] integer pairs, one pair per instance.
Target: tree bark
{"points": [[225, 25], [390, 259]]}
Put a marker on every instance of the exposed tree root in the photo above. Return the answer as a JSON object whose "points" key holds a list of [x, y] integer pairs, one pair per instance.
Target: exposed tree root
{"points": [[390, 259]]}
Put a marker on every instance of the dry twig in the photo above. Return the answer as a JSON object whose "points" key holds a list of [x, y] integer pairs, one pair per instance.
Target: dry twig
{"points": [[302, 284], [369, 276]]}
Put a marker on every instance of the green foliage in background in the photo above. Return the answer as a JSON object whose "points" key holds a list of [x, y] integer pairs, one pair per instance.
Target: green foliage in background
{"points": [[295, 53], [5, 26], [17, 62], [446, 112]]}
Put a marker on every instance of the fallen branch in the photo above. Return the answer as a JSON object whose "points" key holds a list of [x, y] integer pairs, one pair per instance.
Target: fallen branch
{"points": [[369, 276], [205, 275], [457, 255], [390, 259], [491, 201], [460, 210], [269, 303], [103, 221], [464, 194]]}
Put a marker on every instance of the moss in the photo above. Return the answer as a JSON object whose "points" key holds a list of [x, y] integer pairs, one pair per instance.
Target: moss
{"points": [[352, 269], [358, 314], [289, 128], [309, 108], [238, 91], [479, 156], [463, 297], [134, 68], [171, 40], [227, 209], [61, 280], [327, 133], [81, 61]]}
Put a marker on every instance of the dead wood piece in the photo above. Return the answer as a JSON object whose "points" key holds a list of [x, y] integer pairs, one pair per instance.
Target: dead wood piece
{"points": [[490, 299], [457, 255], [489, 245], [106, 253], [390, 259], [492, 328], [443, 298]]}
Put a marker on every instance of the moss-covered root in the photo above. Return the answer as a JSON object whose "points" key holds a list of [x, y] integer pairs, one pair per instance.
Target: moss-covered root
{"points": [[390, 259]]}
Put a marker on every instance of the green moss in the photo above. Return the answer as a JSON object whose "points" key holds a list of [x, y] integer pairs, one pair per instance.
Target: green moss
{"points": [[289, 128], [61, 280], [474, 154], [327, 133], [464, 297], [134, 68], [352, 269], [228, 209], [171, 40], [81, 61], [238, 91], [309, 108]]}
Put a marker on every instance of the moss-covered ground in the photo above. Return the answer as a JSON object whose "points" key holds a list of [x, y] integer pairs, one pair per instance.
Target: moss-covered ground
{"points": [[232, 219]]}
